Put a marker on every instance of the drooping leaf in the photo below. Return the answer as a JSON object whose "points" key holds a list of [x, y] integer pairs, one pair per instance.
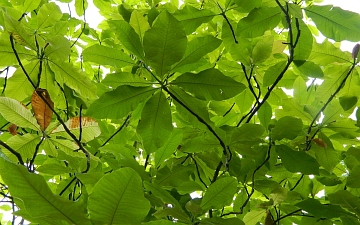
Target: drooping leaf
{"points": [[14, 112], [209, 84], [297, 161], [37, 198], [107, 56], [155, 125], [89, 128], [42, 111], [118, 198], [119, 102], [165, 43], [219, 194]]}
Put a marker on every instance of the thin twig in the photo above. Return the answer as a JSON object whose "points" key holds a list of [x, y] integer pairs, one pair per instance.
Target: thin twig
{"points": [[116, 132], [18, 156]]}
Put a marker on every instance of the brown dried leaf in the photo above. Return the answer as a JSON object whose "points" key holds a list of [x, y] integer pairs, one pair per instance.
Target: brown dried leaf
{"points": [[320, 142], [268, 219], [43, 113], [12, 129]]}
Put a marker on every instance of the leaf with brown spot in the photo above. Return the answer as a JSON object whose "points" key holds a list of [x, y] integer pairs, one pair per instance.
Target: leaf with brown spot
{"points": [[320, 142], [89, 128], [12, 129], [42, 111]]}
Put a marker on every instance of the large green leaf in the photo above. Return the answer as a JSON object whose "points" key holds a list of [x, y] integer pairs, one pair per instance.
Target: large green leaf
{"points": [[119, 102], [305, 42], [48, 14], [155, 125], [258, 21], [219, 194], [139, 23], [196, 49], [283, 130], [327, 157], [326, 53], [38, 200], [128, 37], [15, 112], [107, 56], [347, 200], [16, 28], [209, 84], [25, 144], [74, 78], [297, 161], [335, 22], [165, 43], [118, 198]]}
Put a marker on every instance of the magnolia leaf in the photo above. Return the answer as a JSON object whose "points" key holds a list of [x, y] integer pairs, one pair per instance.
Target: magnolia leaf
{"points": [[42, 111], [88, 127], [16, 113]]}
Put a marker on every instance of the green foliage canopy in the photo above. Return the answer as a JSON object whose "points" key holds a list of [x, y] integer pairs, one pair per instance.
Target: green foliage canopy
{"points": [[178, 113]]}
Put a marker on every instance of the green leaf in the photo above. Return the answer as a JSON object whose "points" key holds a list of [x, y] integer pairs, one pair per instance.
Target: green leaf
{"points": [[17, 30], [58, 48], [165, 43], [161, 193], [25, 144], [272, 73], [353, 179], [297, 161], [118, 198], [128, 37], [326, 157], [278, 195], [254, 216], [196, 49], [314, 207], [309, 69], [335, 22], [30, 5], [16, 113], [348, 102], [258, 21], [124, 78], [139, 23], [155, 125], [74, 78], [48, 15], [305, 42], [80, 7], [326, 53], [244, 137], [263, 49], [191, 18], [264, 114], [169, 147], [283, 130], [53, 169], [221, 221], [37, 198], [345, 199], [18, 79], [209, 84], [219, 194], [119, 102], [103, 55]]}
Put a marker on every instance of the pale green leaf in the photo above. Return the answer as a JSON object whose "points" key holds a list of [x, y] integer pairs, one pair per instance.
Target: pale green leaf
{"points": [[48, 15], [15, 112]]}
